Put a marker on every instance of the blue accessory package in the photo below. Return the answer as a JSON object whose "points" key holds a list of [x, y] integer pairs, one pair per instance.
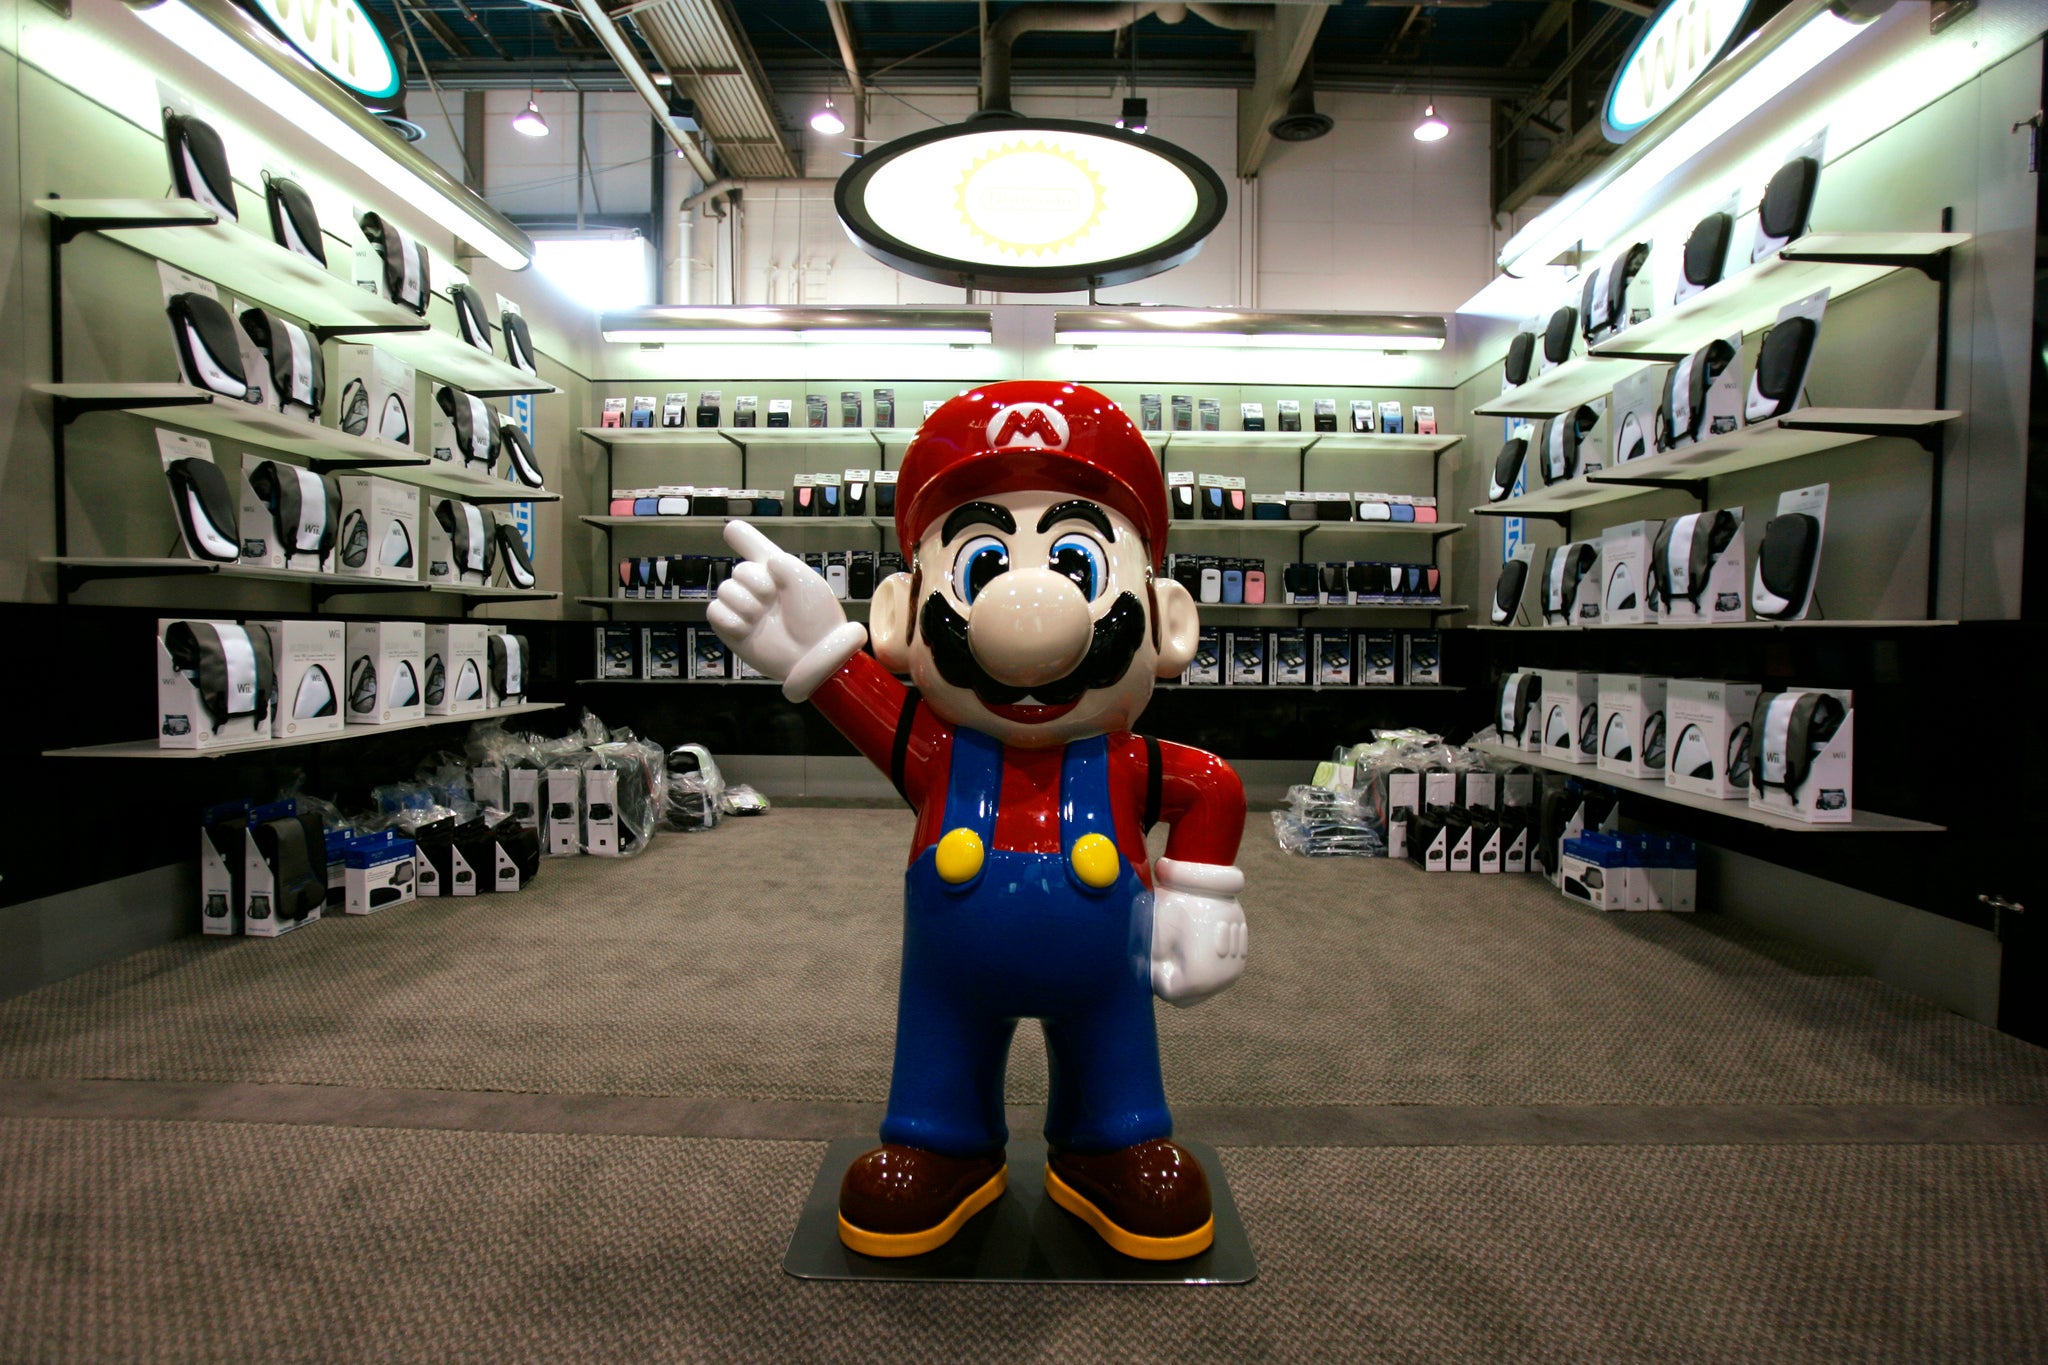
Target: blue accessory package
{"points": [[647, 507], [1233, 586], [1402, 511], [828, 503]]}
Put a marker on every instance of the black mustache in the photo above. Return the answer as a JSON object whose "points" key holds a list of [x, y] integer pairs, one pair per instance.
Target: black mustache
{"points": [[1118, 634]]}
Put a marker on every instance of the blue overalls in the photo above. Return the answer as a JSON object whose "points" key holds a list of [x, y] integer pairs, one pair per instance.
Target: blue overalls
{"points": [[1026, 936]]}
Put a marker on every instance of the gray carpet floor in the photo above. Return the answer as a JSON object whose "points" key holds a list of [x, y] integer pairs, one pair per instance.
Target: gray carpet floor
{"points": [[1660, 1137]]}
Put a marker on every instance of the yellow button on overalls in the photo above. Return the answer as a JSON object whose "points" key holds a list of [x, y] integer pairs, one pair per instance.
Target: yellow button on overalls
{"points": [[1096, 861], [960, 856]]}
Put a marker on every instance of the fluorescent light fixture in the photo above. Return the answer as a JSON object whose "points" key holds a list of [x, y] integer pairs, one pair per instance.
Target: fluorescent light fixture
{"points": [[1596, 212], [1266, 331], [727, 326], [1432, 128], [827, 120], [530, 121], [242, 53]]}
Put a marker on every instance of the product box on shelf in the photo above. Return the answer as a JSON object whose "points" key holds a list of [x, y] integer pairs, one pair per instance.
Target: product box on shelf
{"points": [[1398, 798], [1788, 555], [458, 556], [284, 871], [1802, 755], [562, 829], [1289, 417], [1694, 407], [1571, 714], [1151, 412], [380, 873], [375, 393], [643, 410], [1361, 416], [710, 658], [307, 659], [1377, 658], [1423, 658], [1390, 418], [816, 408], [198, 532], [301, 496], [1248, 650], [386, 669], [1333, 653], [458, 660], [617, 652], [222, 830], [885, 492], [661, 651], [1183, 412], [885, 407], [1628, 590], [1181, 494], [1632, 415], [1252, 415], [1206, 669], [1704, 558], [1290, 656], [522, 793], [779, 411], [380, 528], [1592, 871], [1632, 725], [191, 714], [614, 414], [1210, 413], [707, 407], [1517, 816], [1707, 721], [746, 410], [1425, 420], [1325, 417], [673, 406]]}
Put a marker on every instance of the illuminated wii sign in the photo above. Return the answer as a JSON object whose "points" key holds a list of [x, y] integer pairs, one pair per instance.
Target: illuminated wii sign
{"points": [[1678, 47], [1030, 205], [341, 41]]}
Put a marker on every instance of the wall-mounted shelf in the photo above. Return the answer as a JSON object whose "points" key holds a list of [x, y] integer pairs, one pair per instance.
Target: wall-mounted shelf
{"points": [[1432, 530], [1301, 442], [854, 607], [710, 437], [184, 405], [1845, 624], [716, 524], [1803, 432], [1307, 689], [1579, 380], [1863, 822], [1433, 608], [148, 748], [253, 267], [81, 569], [1839, 262]]}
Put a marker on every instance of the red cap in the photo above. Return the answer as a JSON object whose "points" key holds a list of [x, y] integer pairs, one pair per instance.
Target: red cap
{"points": [[1030, 434]]}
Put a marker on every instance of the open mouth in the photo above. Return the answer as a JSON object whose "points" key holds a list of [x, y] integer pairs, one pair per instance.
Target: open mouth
{"points": [[1030, 714]]}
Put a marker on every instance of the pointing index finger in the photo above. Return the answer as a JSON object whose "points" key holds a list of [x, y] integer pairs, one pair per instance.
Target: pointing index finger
{"points": [[749, 542]]}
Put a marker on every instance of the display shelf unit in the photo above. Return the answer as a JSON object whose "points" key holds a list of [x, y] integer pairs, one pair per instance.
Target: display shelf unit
{"points": [[1307, 689], [249, 266], [81, 569], [1804, 431], [1578, 380], [717, 524], [322, 448], [1302, 442], [1844, 624], [147, 748], [1433, 531], [1839, 262], [1863, 822]]}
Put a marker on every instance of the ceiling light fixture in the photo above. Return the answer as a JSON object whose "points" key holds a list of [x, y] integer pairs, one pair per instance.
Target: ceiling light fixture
{"points": [[827, 120], [1432, 128], [1134, 118], [529, 120]]}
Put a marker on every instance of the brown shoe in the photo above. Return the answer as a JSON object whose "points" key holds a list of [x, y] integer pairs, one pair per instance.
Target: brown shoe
{"points": [[905, 1201], [1150, 1201]]}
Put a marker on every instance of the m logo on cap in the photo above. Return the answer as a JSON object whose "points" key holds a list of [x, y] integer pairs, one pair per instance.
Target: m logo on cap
{"points": [[1029, 424]]}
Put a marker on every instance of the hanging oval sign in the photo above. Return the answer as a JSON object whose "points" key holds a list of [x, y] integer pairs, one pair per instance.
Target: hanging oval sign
{"points": [[341, 41], [1035, 206], [1677, 48]]}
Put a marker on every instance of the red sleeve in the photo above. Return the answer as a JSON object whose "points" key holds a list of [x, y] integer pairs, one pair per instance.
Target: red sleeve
{"points": [[1201, 797], [866, 703]]}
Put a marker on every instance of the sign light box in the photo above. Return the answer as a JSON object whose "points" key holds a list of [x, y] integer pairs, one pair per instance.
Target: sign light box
{"points": [[1676, 49]]}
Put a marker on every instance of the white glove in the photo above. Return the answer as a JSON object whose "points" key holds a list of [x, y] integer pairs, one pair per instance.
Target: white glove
{"points": [[1198, 930], [779, 614]]}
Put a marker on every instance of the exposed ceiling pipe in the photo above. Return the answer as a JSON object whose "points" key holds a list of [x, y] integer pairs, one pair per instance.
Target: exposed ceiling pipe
{"points": [[1050, 18], [843, 32], [629, 62]]}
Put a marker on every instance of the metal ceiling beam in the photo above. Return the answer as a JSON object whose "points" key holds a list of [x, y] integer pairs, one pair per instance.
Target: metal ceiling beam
{"points": [[842, 32], [629, 62], [1278, 55], [1566, 165], [691, 38]]}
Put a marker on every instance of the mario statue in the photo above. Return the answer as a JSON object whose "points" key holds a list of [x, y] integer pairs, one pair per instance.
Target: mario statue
{"points": [[1032, 623]]}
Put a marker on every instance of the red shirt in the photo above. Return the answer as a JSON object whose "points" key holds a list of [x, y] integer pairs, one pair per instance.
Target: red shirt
{"points": [[1199, 795]]}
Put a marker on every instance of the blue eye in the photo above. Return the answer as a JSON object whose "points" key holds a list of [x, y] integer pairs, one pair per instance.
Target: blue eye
{"points": [[978, 564], [1079, 558]]}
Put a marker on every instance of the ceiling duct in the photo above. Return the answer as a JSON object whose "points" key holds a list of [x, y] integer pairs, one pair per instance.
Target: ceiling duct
{"points": [[1300, 122], [705, 51]]}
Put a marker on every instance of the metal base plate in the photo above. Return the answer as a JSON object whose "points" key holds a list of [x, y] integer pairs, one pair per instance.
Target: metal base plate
{"points": [[1023, 1238]]}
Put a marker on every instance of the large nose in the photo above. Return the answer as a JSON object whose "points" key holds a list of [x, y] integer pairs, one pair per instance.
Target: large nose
{"points": [[1029, 626]]}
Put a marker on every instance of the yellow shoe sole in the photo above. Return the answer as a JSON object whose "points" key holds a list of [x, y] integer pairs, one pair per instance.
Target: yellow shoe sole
{"points": [[1129, 1243], [892, 1244]]}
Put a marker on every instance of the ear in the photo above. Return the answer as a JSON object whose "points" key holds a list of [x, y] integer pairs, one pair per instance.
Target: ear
{"points": [[889, 613], [1179, 626]]}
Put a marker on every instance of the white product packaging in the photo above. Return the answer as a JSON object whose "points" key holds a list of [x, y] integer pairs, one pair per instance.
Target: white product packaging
{"points": [[1377, 660], [1424, 658], [311, 669], [261, 545], [372, 392], [1568, 584], [379, 877], [1819, 787], [1707, 724], [386, 679], [1571, 714], [1722, 596], [261, 912], [601, 812], [562, 827], [522, 793], [1788, 555], [1632, 725], [183, 718], [458, 667], [220, 874], [1628, 590], [216, 544], [380, 528], [459, 556], [1404, 798], [1517, 793], [1633, 413]]}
